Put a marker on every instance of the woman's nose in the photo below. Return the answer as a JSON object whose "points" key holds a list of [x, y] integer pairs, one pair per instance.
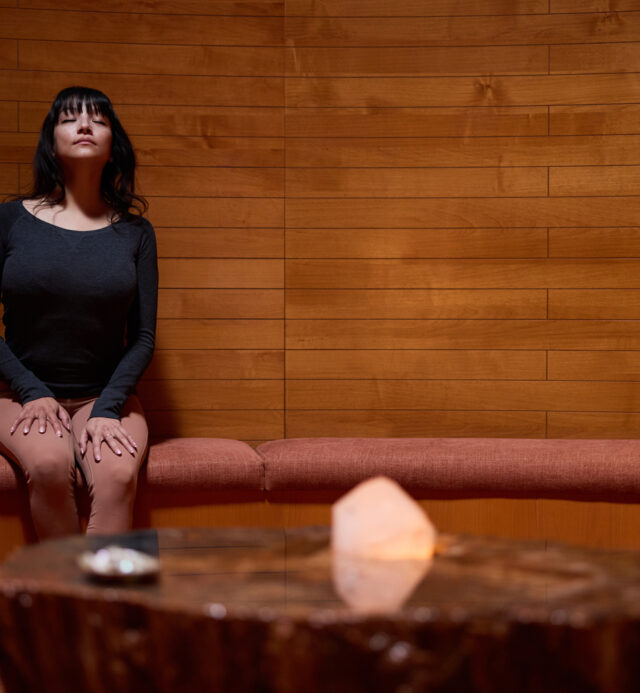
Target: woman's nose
{"points": [[84, 122]]}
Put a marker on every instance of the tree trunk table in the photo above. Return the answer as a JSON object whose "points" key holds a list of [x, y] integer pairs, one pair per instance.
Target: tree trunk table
{"points": [[257, 610]]}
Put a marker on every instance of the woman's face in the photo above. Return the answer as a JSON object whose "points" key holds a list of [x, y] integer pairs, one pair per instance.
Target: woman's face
{"points": [[82, 136]]}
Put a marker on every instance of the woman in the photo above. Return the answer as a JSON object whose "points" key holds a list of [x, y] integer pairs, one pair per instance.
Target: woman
{"points": [[79, 285]]}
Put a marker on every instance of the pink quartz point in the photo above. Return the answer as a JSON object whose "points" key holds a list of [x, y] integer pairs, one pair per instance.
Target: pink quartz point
{"points": [[378, 520]]}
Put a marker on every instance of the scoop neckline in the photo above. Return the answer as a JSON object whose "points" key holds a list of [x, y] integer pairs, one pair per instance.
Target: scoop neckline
{"points": [[61, 228]]}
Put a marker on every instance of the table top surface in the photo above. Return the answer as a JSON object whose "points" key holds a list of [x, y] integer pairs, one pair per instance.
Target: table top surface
{"points": [[293, 573]]}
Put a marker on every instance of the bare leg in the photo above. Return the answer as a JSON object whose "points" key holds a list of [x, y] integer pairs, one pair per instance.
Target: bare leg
{"points": [[112, 481], [49, 468]]}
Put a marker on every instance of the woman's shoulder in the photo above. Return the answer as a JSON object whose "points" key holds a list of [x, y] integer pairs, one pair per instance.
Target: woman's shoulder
{"points": [[10, 210]]}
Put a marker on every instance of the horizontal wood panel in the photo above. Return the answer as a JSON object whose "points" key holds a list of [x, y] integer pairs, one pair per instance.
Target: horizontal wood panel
{"points": [[594, 365], [226, 273], [215, 242], [416, 424], [602, 242], [407, 364], [191, 364], [621, 304], [463, 212], [31, 85], [221, 211], [563, 6], [8, 115], [8, 178], [594, 180], [464, 334], [415, 243], [416, 303], [460, 151], [414, 182], [62, 25], [185, 181], [211, 394], [220, 334], [463, 91], [208, 121], [220, 303], [8, 54], [413, 8], [596, 119], [594, 58], [447, 274], [416, 60], [461, 31], [601, 425], [416, 122], [72, 56], [239, 424], [209, 151], [482, 395], [199, 7]]}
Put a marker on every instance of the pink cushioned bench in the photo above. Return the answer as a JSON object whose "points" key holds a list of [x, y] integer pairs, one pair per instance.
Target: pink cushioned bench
{"points": [[211, 471]]}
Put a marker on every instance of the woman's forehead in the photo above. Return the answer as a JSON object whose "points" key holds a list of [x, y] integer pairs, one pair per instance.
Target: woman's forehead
{"points": [[79, 105]]}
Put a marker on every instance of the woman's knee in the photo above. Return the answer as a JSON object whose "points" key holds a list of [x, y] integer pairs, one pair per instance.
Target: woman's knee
{"points": [[51, 468], [118, 480]]}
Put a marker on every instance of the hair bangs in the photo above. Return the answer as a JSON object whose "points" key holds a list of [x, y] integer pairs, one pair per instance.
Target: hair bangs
{"points": [[74, 99]]}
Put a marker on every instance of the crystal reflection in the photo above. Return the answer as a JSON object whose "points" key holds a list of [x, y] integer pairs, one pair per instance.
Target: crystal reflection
{"points": [[376, 586]]}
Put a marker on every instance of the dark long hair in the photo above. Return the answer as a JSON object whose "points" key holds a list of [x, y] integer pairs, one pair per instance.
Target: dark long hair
{"points": [[117, 183]]}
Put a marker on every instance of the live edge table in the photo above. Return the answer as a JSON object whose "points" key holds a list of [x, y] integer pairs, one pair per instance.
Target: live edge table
{"points": [[252, 610]]}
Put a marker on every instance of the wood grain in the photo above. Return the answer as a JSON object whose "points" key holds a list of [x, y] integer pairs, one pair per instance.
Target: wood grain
{"points": [[463, 91], [416, 243], [130, 27], [563, 6], [415, 303], [8, 116], [416, 122], [185, 395], [239, 424], [597, 304], [464, 334], [199, 7], [463, 212], [594, 365], [219, 242], [220, 211], [8, 178], [462, 395], [208, 151], [186, 181], [206, 121], [227, 273], [220, 303], [462, 31], [191, 364], [594, 425], [594, 181], [8, 54], [594, 58], [413, 8], [415, 182], [428, 363], [220, 334], [66, 56], [596, 119], [416, 60], [460, 151], [416, 424], [463, 274], [598, 242]]}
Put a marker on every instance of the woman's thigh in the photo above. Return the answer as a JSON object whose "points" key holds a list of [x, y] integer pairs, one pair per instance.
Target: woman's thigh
{"points": [[34, 448], [112, 466]]}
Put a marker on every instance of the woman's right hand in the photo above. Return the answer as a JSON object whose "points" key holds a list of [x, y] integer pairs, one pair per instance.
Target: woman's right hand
{"points": [[42, 410]]}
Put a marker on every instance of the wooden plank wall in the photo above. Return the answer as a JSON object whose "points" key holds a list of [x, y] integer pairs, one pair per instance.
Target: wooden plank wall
{"points": [[375, 217]]}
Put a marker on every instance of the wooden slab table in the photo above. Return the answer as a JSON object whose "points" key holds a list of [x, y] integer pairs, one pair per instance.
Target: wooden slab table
{"points": [[247, 610]]}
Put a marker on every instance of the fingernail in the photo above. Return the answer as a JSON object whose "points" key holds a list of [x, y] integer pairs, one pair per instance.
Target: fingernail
{"points": [[26, 430], [41, 429], [59, 434], [118, 452]]}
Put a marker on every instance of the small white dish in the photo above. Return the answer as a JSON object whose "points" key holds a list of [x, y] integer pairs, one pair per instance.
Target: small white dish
{"points": [[118, 564]]}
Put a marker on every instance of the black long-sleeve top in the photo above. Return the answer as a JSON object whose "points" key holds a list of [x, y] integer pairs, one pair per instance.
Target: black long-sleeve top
{"points": [[79, 308]]}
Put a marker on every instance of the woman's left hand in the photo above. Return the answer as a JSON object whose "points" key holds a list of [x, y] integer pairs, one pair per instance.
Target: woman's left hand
{"points": [[111, 431]]}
